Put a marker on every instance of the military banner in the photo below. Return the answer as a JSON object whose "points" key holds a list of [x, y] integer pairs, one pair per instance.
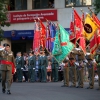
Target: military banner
{"points": [[66, 45], [90, 27]]}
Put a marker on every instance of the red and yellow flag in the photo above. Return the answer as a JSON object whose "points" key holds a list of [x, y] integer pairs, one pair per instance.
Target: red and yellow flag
{"points": [[90, 27]]}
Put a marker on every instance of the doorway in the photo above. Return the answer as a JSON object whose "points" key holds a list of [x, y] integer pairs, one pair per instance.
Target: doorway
{"points": [[18, 47]]}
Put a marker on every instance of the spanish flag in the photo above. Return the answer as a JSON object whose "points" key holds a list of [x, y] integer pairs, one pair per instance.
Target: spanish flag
{"points": [[90, 27]]}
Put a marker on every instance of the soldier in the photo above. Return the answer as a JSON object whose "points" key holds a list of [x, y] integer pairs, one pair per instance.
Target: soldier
{"points": [[19, 61], [39, 66], [31, 66], [55, 66], [90, 67], [44, 65], [98, 65], [72, 72], [7, 65], [66, 72], [80, 68]]}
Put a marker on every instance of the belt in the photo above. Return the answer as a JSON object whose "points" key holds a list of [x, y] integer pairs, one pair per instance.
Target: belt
{"points": [[71, 58], [8, 63]]}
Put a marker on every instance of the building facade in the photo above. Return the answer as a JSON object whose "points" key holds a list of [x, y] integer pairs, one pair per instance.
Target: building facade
{"points": [[23, 12]]}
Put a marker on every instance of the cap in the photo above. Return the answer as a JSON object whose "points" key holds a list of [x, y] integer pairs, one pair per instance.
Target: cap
{"points": [[5, 44], [18, 52], [31, 52]]}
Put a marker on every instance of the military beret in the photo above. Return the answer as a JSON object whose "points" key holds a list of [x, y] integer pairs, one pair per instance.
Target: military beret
{"points": [[5, 44]]}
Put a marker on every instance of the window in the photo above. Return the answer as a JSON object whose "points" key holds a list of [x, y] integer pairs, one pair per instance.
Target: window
{"points": [[18, 4], [42, 4], [69, 3]]}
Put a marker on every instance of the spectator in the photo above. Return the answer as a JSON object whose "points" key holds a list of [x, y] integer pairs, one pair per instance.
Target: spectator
{"points": [[96, 77], [49, 71], [25, 71]]}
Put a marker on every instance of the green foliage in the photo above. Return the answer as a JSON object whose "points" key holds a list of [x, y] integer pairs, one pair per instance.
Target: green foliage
{"points": [[3, 17], [96, 6]]}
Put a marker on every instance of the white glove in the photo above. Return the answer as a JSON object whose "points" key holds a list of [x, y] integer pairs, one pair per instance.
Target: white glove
{"points": [[77, 48], [21, 68], [86, 61], [67, 58], [15, 69], [2, 48], [76, 63], [33, 68], [87, 53], [94, 61]]}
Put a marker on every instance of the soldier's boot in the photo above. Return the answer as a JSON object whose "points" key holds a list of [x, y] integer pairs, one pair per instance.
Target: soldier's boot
{"points": [[90, 87], [8, 92], [3, 90]]}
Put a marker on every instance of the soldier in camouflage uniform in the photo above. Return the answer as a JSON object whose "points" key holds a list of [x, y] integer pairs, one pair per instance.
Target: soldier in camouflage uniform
{"points": [[72, 66], [90, 66], [98, 65]]}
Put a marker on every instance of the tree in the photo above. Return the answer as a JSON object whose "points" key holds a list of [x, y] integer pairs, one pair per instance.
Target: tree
{"points": [[96, 6], [3, 17]]}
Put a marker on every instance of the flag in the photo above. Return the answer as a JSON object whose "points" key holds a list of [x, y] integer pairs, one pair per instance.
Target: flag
{"points": [[98, 36], [36, 40], [65, 45], [48, 39], [43, 34], [90, 27], [72, 31], [82, 44], [75, 27], [95, 18], [57, 47], [78, 25], [93, 44], [52, 29]]}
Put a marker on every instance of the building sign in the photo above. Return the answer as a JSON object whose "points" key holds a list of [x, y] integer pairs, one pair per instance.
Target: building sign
{"points": [[30, 16], [19, 34]]}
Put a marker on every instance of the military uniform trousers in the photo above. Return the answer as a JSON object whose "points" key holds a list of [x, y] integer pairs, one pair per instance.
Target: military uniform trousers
{"points": [[44, 73], [91, 77], [19, 74], [6, 77], [40, 75], [66, 76], [31, 75], [98, 71], [80, 76], [72, 74], [55, 72]]}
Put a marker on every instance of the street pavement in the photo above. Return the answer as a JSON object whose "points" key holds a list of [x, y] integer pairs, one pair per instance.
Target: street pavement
{"points": [[49, 91]]}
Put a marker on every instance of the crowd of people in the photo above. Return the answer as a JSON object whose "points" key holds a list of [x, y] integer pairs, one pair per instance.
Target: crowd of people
{"points": [[38, 67]]}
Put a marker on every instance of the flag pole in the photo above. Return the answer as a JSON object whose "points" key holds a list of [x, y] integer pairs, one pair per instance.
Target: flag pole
{"points": [[82, 11], [90, 10]]}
